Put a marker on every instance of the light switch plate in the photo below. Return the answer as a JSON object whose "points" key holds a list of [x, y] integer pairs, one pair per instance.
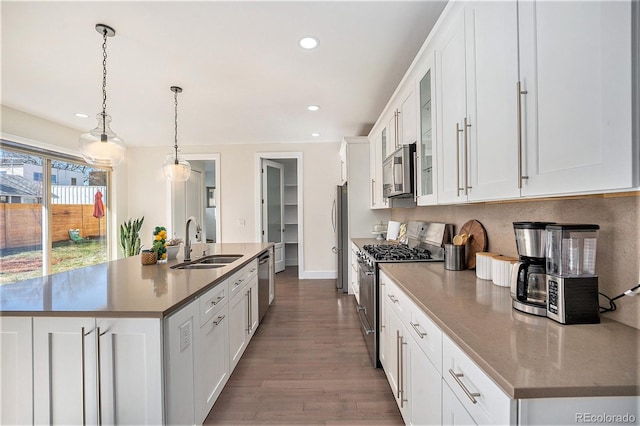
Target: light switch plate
{"points": [[185, 335]]}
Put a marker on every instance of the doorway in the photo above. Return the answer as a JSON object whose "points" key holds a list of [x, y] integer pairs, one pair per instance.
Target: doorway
{"points": [[289, 241], [198, 197]]}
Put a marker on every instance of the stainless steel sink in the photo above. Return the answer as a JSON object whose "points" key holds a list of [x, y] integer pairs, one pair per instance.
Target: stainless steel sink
{"points": [[198, 266], [209, 262], [218, 258]]}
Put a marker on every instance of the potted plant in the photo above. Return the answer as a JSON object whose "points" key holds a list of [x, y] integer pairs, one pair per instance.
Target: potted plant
{"points": [[173, 246], [130, 237]]}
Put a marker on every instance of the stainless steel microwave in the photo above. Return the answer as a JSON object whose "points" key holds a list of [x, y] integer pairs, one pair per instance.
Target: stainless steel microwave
{"points": [[398, 173]]}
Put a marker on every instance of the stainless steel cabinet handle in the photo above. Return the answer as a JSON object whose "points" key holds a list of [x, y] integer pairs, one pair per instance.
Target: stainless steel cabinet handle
{"points": [[373, 192], [466, 156], [519, 93], [361, 308], [401, 392], [393, 298], [218, 320], [458, 130], [249, 311], [415, 327], [218, 299], [99, 373], [84, 393], [457, 376], [398, 362]]}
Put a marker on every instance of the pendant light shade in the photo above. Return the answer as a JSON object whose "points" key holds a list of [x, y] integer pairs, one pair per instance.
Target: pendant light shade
{"points": [[101, 146], [176, 169]]}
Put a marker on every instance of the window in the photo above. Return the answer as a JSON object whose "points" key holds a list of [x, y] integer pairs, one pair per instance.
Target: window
{"points": [[77, 228]]}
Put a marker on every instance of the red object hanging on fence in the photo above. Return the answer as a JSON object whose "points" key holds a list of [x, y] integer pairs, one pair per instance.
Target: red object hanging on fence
{"points": [[98, 206]]}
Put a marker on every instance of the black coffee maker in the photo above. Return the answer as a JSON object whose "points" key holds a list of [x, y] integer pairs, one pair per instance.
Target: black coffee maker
{"points": [[529, 275]]}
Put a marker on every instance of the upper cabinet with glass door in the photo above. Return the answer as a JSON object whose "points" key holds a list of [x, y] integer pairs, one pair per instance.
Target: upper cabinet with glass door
{"points": [[425, 149]]}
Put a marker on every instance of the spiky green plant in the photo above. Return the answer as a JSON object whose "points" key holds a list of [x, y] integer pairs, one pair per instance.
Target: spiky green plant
{"points": [[130, 238]]}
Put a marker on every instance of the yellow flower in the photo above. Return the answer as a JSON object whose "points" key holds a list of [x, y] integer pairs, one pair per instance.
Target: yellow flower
{"points": [[164, 255], [158, 237]]}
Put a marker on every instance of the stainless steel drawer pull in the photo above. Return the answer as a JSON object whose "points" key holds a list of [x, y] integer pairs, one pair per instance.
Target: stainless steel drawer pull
{"points": [[457, 376], [415, 327], [393, 298], [218, 320], [218, 299]]}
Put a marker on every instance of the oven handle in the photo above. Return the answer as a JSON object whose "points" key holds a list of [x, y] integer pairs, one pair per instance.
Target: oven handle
{"points": [[366, 269], [366, 329]]}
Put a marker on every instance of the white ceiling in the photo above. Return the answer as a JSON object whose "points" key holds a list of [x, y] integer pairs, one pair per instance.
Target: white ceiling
{"points": [[245, 78]]}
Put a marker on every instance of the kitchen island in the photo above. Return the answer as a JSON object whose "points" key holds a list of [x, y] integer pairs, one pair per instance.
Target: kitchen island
{"points": [[545, 372], [126, 343]]}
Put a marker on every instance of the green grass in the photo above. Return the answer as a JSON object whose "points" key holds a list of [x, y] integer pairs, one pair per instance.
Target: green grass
{"points": [[66, 255]]}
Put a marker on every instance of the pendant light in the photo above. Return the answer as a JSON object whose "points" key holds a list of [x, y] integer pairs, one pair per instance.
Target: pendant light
{"points": [[174, 168], [101, 146]]}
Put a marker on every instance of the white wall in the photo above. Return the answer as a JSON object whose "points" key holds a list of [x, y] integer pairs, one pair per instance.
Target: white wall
{"points": [[321, 173]]}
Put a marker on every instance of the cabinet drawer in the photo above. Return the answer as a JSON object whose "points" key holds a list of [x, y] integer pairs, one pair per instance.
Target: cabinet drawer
{"points": [[426, 334], [396, 298], [479, 395], [251, 269], [240, 279], [213, 300]]}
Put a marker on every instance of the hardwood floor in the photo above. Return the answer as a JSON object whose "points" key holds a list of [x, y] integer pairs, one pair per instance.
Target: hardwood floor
{"points": [[307, 364]]}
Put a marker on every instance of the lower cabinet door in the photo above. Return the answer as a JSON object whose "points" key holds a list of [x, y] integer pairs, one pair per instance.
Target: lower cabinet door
{"points": [[453, 412], [212, 362], [130, 376], [254, 317], [16, 371], [64, 371], [238, 325], [424, 384]]}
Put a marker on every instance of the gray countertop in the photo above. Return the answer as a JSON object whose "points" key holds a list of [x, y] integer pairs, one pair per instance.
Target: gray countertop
{"points": [[527, 356], [120, 288]]}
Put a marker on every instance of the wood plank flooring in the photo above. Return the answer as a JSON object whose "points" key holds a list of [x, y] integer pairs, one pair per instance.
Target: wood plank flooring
{"points": [[307, 364]]}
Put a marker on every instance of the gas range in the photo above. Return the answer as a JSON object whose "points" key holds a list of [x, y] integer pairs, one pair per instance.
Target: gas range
{"points": [[397, 253]]}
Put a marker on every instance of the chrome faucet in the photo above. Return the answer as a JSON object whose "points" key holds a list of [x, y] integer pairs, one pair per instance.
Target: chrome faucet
{"points": [[187, 241]]}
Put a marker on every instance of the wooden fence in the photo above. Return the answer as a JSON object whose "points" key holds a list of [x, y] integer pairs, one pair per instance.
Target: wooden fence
{"points": [[21, 224]]}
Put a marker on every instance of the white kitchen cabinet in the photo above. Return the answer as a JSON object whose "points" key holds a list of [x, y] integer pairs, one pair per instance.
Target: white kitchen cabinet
{"points": [[479, 395], [397, 361], [453, 412], [16, 371], [407, 118], [576, 70], [424, 387], [377, 152], [254, 316], [238, 324], [101, 370], [180, 338], [477, 60], [212, 362], [425, 149]]}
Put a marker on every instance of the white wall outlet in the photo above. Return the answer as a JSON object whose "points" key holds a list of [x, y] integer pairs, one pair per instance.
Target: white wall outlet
{"points": [[185, 335], [241, 222]]}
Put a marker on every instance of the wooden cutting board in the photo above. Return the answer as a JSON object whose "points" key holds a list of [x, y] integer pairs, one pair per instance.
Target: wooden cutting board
{"points": [[477, 240]]}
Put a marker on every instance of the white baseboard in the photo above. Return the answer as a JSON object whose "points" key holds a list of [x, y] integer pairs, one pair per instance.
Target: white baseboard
{"points": [[318, 275]]}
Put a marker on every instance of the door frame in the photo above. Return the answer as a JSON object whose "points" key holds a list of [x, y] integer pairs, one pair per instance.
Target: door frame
{"points": [[170, 199], [259, 156]]}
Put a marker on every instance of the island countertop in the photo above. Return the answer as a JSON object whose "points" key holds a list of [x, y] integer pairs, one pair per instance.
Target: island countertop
{"points": [[121, 288], [526, 355]]}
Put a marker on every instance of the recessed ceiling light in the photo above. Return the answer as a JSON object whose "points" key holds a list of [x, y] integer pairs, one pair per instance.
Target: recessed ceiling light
{"points": [[81, 115], [309, 42], [313, 107], [315, 135]]}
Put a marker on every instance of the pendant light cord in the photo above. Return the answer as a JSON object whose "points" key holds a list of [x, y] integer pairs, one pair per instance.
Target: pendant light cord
{"points": [[104, 81], [175, 146]]}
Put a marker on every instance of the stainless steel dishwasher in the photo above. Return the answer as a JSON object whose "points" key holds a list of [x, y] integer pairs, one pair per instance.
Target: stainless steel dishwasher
{"points": [[263, 283]]}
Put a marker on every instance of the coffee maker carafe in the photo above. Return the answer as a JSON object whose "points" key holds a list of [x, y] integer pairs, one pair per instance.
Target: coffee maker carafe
{"points": [[529, 279]]}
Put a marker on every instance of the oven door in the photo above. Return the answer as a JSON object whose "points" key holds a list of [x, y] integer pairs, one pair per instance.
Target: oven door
{"points": [[367, 308]]}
